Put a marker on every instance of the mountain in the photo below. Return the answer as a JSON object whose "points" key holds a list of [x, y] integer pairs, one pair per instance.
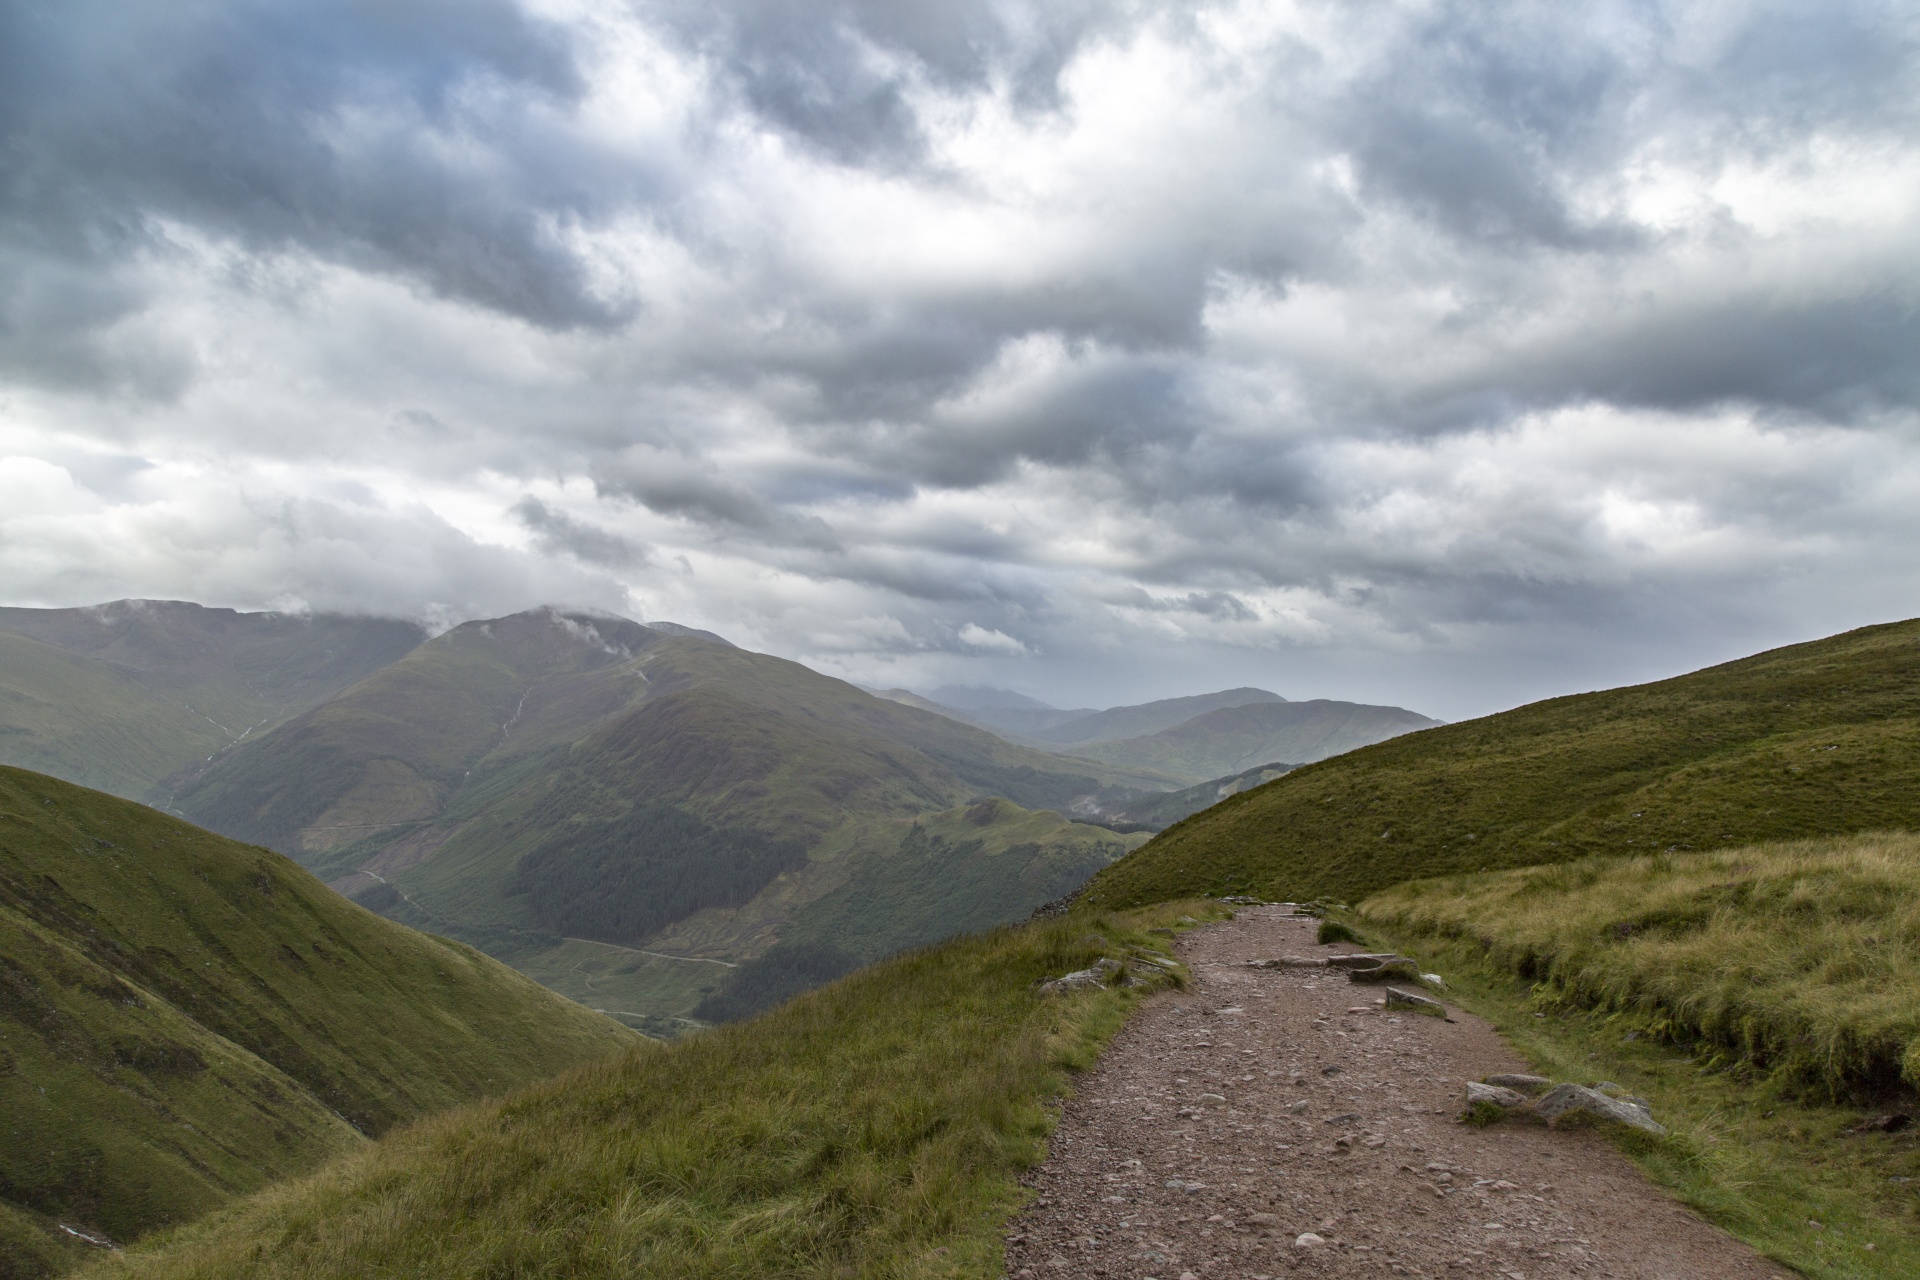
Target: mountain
{"points": [[1002, 711], [625, 813], [121, 696], [184, 1018], [1148, 717], [1158, 812], [1816, 739], [1232, 739]]}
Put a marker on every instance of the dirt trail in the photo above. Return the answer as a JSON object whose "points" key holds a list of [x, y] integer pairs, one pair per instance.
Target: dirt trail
{"points": [[1228, 1120]]}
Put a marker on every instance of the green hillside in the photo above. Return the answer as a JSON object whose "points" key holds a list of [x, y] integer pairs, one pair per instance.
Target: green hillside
{"points": [[122, 696], [1792, 956], [184, 1018], [961, 871], [1811, 740], [603, 804], [1233, 739], [876, 1127]]}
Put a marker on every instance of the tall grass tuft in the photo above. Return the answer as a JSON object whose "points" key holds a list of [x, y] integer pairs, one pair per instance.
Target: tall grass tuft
{"points": [[1800, 957], [874, 1127]]}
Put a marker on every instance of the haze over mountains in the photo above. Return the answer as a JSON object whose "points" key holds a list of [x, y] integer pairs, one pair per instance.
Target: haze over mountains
{"points": [[1206, 737]]}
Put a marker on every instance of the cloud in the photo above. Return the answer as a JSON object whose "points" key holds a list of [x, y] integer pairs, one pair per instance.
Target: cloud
{"points": [[1465, 353], [978, 637]]}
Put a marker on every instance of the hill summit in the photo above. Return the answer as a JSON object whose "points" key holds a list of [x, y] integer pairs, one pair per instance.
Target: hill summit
{"points": [[1811, 740]]}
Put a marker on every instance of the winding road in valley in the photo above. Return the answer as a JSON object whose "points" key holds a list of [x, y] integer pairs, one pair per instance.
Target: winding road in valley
{"points": [[1273, 1122]]}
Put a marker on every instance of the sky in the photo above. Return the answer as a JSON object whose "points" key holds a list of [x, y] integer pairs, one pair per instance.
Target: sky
{"points": [[1448, 355]]}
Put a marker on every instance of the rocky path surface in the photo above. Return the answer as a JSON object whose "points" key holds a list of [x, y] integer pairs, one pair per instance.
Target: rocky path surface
{"points": [[1273, 1122]]}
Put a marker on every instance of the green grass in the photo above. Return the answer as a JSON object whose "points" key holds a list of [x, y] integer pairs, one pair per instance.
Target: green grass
{"points": [[874, 1127], [1754, 1151], [183, 1018], [1813, 740], [1800, 958]]}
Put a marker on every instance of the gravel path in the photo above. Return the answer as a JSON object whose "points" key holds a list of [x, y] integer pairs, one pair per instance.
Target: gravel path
{"points": [[1229, 1120]]}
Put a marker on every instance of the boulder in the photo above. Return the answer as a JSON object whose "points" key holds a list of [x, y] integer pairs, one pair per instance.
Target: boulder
{"points": [[1530, 1085], [1362, 959], [1571, 1099], [1083, 979], [1495, 1094], [1414, 1001], [1401, 970]]}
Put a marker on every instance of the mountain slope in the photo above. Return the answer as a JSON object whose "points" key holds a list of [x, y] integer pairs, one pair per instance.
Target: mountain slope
{"points": [[1233, 739], [1148, 717], [183, 1018], [538, 783], [1811, 740], [875, 1128], [120, 696], [1160, 812]]}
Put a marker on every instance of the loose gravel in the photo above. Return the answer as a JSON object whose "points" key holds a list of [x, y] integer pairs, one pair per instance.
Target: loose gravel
{"points": [[1275, 1122]]}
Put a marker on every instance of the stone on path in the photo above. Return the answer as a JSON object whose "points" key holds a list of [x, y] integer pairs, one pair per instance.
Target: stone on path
{"points": [[1567, 1099], [1498, 1096], [1415, 1002], [1524, 1083]]}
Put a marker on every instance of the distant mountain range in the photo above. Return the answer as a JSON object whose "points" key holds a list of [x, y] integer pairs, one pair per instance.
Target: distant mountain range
{"points": [[1193, 739]]}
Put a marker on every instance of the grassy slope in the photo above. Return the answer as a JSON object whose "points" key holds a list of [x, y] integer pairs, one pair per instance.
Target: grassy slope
{"points": [[1763, 999], [1235, 738], [874, 1127], [1815, 739], [183, 1017], [123, 695], [1802, 957], [967, 869]]}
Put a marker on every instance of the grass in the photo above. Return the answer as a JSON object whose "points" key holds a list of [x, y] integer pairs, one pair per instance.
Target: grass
{"points": [[874, 1127], [183, 1018], [1813, 740], [1758, 1157], [1800, 958]]}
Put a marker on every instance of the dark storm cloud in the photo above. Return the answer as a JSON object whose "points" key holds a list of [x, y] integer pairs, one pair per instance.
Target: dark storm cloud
{"points": [[836, 73], [395, 136], [556, 531]]}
